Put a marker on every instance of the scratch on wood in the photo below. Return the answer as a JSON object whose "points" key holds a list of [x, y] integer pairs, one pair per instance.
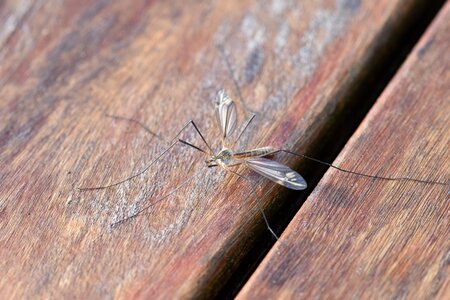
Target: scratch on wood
{"points": [[324, 27], [254, 64], [423, 50], [14, 20], [350, 4]]}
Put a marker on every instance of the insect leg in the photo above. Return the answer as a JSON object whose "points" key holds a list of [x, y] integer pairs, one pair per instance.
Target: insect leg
{"points": [[358, 173], [192, 146], [230, 71], [148, 130], [142, 210], [258, 201], [221, 49], [174, 141], [245, 127]]}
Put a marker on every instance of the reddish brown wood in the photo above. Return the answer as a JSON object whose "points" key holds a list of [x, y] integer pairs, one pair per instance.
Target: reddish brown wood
{"points": [[358, 238], [64, 64]]}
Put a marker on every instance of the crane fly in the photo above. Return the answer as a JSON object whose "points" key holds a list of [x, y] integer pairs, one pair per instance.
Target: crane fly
{"points": [[255, 159]]}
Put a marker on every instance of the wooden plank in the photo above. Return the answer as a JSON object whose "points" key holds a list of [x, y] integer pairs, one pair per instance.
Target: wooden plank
{"points": [[65, 64], [358, 238]]}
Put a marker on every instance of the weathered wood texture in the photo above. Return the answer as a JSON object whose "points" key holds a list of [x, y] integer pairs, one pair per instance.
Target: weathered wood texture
{"points": [[358, 238], [64, 64]]}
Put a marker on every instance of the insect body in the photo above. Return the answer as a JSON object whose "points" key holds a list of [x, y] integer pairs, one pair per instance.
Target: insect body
{"points": [[253, 159], [226, 157]]}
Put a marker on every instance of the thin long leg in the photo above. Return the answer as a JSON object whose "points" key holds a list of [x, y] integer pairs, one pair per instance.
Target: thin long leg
{"points": [[245, 127], [148, 130], [258, 201], [192, 146], [203, 138], [159, 136], [145, 208], [233, 78], [142, 210], [238, 90], [173, 142], [361, 174]]}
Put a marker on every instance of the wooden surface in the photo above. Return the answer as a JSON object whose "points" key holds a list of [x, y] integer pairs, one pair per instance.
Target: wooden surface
{"points": [[357, 238], [64, 64]]}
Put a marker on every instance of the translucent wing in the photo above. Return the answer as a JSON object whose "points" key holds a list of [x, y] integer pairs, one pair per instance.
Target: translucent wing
{"points": [[226, 113], [277, 172]]}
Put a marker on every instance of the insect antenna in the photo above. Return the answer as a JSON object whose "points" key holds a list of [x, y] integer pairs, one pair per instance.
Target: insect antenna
{"points": [[361, 174]]}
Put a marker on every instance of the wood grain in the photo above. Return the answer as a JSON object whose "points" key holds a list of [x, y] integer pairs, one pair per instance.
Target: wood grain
{"points": [[65, 64], [358, 238]]}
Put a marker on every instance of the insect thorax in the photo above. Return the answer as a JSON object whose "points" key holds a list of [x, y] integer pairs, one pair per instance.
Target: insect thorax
{"points": [[225, 157]]}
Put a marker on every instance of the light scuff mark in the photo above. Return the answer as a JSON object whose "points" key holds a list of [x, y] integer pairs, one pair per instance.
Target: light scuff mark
{"points": [[13, 21], [253, 30], [281, 39], [325, 26]]}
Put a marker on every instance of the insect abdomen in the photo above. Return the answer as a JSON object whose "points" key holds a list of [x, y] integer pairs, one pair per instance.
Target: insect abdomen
{"points": [[259, 152]]}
